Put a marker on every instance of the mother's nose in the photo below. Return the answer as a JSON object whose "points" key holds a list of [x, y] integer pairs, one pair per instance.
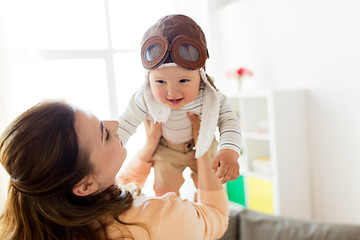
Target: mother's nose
{"points": [[114, 124]]}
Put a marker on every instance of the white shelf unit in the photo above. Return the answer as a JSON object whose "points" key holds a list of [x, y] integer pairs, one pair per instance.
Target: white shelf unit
{"points": [[274, 164]]}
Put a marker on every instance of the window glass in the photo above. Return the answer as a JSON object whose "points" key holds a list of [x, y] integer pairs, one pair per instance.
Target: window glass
{"points": [[130, 19], [79, 81], [129, 76], [69, 24]]}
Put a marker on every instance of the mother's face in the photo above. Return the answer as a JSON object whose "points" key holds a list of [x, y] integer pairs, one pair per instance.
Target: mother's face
{"points": [[106, 151]]}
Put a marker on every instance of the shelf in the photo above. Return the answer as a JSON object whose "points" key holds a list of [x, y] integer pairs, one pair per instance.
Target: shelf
{"points": [[256, 136], [244, 94], [273, 164], [260, 176]]}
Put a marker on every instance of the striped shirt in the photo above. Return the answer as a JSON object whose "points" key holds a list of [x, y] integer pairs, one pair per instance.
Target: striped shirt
{"points": [[177, 129]]}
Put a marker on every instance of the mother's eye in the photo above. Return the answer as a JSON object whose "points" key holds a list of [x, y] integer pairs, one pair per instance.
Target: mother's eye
{"points": [[107, 137]]}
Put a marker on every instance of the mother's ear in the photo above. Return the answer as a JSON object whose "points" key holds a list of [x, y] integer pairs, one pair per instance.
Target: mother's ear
{"points": [[85, 187]]}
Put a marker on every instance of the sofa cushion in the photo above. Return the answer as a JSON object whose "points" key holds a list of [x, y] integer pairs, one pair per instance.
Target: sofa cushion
{"points": [[257, 226]]}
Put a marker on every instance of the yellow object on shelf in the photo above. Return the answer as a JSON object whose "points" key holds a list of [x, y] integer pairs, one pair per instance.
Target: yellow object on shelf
{"points": [[261, 165], [265, 159], [261, 195]]}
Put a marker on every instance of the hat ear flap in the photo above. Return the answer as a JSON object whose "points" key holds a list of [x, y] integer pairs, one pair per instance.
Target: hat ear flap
{"points": [[209, 117], [211, 82], [206, 78]]}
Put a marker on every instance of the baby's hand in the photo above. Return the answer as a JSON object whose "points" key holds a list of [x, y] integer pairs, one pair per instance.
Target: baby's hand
{"points": [[227, 165]]}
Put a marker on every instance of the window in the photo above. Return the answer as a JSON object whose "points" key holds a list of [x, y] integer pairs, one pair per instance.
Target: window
{"points": [[102, 37]]}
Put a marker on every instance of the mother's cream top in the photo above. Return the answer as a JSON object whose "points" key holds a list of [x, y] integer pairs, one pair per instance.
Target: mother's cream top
{"points": [[170, 217]]}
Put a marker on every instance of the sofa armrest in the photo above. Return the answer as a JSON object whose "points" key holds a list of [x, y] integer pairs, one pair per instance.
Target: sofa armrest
{"points": [[258, 226], [233, 231]]}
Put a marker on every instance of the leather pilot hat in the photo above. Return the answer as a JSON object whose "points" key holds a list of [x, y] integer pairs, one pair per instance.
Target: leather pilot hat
{"points": [[174, 38]]}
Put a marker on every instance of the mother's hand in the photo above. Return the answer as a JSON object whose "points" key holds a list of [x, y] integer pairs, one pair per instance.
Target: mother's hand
{"points": [[152, 131], [195, 122], [153, 134], [207, 180]]}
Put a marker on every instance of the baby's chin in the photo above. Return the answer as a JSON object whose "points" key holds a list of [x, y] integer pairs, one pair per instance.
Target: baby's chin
{"points": [[174, 107]]}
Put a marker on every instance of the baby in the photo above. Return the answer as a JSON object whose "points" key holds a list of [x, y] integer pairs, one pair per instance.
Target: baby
{"points": [[173, 53]]}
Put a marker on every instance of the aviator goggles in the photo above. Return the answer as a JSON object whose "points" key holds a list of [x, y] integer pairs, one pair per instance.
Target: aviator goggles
{"points": [[183, 50]]}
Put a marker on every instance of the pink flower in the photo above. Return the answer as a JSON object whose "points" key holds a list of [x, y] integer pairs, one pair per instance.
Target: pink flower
{"points": [[243, 72], [238, 73]]}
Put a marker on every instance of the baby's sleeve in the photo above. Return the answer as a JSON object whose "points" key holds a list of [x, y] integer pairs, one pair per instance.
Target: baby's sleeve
{"points": [[134, 114], [229, 126]]}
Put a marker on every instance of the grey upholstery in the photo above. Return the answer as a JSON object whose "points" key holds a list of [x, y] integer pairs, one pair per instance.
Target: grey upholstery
{"points": [[245, 224]]}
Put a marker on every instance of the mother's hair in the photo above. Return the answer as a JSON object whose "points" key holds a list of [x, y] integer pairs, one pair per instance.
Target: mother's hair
{"points": [[40, 152]]}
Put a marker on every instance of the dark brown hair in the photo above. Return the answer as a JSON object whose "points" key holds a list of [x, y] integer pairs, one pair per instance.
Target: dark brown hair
{"points": [[40, 152]]}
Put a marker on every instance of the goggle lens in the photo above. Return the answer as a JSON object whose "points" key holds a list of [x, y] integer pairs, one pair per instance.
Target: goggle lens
{"points": [[189, 52], [153, 52], [184, 51]]}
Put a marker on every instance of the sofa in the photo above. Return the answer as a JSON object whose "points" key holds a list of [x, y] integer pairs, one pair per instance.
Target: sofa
{"points": [[245, 224]]}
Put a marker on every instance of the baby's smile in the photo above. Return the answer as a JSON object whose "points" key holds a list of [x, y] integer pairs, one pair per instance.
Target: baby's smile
{"points": [[175, 101]]}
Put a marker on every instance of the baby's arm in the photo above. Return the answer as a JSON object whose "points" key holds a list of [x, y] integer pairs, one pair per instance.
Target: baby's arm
{"points": [[226, 161], [134, 114]]}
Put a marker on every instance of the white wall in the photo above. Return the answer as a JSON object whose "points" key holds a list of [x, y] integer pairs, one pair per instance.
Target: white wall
{"points": [[2, 73], [312, 44]]}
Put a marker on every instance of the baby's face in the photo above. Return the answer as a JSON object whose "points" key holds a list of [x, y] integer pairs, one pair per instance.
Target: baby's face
{"points": [[174, 86]]}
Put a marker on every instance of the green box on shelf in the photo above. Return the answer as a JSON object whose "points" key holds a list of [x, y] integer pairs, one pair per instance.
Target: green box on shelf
{"points": [[235, 190]]}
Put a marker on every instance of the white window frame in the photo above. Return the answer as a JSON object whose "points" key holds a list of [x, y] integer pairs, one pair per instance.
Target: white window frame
{"points": [[105, 54]]}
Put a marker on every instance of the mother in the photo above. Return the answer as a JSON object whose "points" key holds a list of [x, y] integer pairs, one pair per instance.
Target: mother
{"points": [[63, 162]]}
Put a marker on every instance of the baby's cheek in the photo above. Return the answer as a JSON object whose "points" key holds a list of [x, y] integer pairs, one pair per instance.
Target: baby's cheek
{"points": [[158, 94], [191, 95]]}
